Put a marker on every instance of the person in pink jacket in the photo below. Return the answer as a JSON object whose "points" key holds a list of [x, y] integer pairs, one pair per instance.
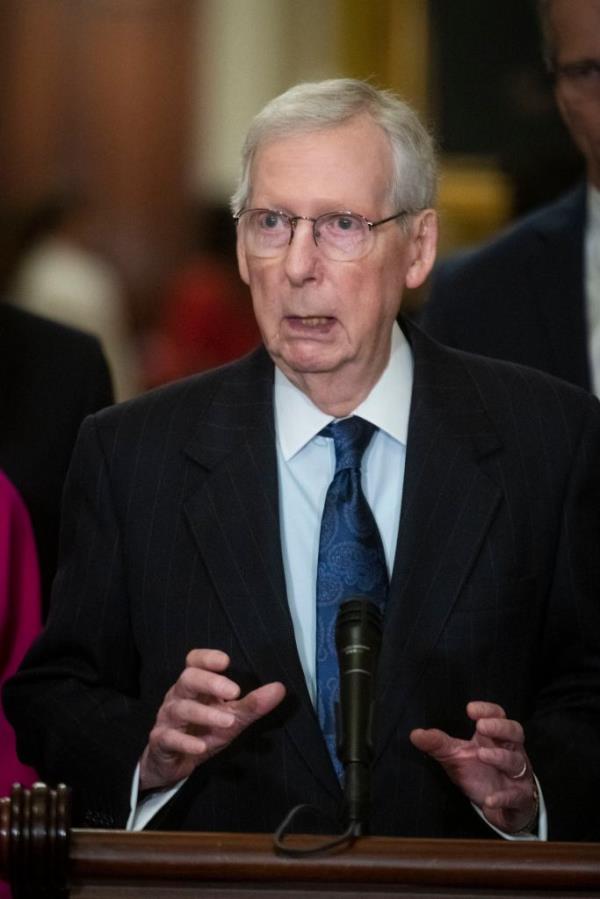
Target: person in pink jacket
{"points": [[20, 615]]}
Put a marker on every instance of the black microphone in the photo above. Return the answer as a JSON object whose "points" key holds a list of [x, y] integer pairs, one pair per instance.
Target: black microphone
{"points": [[358, 640]]}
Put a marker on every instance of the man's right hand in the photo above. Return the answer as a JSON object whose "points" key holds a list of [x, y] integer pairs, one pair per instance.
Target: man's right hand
{"points": [[200, 715]]}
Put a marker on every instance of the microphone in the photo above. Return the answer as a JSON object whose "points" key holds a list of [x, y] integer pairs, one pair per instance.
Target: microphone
{"points": [[358, 640]]}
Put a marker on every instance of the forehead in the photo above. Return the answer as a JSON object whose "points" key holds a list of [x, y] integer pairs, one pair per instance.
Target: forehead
{"points": [[576, 29], [348, 166]]}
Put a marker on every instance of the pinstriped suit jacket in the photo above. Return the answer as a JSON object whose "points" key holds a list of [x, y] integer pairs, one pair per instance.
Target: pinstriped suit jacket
{"points": [[171, 541]]}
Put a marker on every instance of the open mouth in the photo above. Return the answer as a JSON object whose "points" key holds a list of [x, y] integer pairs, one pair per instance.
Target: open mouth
{"points": [[310, 322], [316, 321]]}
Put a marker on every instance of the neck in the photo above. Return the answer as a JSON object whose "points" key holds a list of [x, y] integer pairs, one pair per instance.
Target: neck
{"points": [[335, 393], [337, 403]]}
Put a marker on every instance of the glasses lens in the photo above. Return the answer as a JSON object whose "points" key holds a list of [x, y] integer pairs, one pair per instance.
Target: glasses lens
{"points": [[266, 232], [342, 236]]}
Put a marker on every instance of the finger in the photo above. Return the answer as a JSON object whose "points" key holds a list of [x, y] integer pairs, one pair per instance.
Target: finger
{"points": [[168, 741], [188, 712], [211, 659], [259, 702], [432, 741], [503, 730], [479, 709], [506, 799], [506, 761], [198, 683]]}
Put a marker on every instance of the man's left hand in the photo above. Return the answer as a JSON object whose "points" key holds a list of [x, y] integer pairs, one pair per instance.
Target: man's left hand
{"points": [[492, 768]]}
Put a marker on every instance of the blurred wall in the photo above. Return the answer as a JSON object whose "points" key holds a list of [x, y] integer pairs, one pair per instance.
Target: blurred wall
{"points": [[248, 51], [96, 96]]}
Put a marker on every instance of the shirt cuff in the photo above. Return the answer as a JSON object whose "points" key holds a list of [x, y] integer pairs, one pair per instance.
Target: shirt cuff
{"points": [[143, 810], [542, 831]]}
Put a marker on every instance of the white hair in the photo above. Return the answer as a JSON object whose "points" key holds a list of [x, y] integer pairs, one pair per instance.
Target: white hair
{"points": [[315, 106]]}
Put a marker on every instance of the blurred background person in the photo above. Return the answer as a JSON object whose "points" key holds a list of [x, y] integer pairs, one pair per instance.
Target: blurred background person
{"points": [[60, 273], [206, 317], [532, 295], [20, 622], [51, 377]]}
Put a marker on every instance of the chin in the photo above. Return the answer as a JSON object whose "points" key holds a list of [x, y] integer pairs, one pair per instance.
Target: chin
{"points": [[311, 362]]}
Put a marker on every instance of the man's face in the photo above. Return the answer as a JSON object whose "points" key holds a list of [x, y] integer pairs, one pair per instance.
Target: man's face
{"points": [[576, 29], [318, 316]]}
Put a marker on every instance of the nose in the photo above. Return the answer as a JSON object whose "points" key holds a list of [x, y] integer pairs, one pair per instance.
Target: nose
{"points": [[302, 254]]}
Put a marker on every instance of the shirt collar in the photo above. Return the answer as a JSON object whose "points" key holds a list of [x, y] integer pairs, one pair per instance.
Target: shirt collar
{"points": [[298, 420], [593, 208]]}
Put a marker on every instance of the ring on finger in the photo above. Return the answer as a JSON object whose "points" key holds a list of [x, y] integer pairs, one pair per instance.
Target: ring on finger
{"points": [[521, 773]]}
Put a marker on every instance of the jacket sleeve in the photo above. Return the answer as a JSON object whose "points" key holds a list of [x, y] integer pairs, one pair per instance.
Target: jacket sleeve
{"points": [[563, 737]]}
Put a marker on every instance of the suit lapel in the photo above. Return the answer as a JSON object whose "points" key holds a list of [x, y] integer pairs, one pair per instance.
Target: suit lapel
{"points": [[448, 504], [235, 520]]}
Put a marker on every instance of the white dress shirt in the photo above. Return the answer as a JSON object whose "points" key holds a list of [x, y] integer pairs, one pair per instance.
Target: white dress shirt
{"points": [[592, 283], [306, 466]]}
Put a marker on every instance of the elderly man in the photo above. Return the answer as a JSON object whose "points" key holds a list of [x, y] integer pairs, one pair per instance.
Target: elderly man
{"points": [[212, 527], [532, 295]]}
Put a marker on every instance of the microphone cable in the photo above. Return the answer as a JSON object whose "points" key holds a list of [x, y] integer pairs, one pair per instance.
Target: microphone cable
{"points": [[358, 640], [346, 839]]}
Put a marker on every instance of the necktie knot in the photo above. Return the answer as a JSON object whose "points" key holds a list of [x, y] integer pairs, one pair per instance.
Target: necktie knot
{"points": [[351, 437]]}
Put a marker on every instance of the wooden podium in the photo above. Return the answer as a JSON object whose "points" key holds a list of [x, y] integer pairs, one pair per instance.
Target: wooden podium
{"points": [[46, 859]]}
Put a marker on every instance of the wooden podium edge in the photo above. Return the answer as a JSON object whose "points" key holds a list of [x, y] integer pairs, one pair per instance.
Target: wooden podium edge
{"points": [[38, 849], [233, 857]]}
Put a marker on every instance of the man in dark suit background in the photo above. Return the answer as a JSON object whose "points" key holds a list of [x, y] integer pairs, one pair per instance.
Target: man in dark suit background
{"points": [[533, 294], [51, 377], [175, 683]]}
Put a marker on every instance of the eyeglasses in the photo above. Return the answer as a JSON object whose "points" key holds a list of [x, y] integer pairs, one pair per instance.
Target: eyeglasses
{"points": [[341, 236], [583, 75]]}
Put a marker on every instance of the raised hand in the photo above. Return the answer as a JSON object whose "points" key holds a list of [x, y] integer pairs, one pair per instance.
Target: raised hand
{"points": [[492, 768], [200, 715]]}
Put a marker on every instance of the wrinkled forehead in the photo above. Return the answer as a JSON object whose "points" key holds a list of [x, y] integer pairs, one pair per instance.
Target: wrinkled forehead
{"points": [[348, 164]]}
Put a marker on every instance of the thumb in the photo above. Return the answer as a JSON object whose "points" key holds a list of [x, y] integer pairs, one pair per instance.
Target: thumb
{"points": [[259, 702], [432, 741]]}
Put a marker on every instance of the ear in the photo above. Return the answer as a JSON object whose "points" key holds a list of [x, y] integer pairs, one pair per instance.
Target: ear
{"points": [[424, 247], [242, 260]]}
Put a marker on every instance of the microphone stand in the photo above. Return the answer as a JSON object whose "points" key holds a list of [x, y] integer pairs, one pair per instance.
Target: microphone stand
{"points": [[358, 640]]}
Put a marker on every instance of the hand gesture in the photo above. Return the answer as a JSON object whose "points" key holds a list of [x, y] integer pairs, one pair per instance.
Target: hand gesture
{"points": [[491, 769], [200, 715]]}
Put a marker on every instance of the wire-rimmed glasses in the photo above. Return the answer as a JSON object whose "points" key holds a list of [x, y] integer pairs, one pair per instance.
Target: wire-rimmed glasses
{"points": [[341, 236]]}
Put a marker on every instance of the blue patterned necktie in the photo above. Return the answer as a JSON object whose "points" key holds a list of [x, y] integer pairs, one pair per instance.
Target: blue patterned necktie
{"points": [[351, 561]]}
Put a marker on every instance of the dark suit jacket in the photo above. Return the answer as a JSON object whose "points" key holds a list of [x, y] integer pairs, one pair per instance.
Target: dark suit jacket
{"points": [[521, 296], [51, 377], [171, 541]]}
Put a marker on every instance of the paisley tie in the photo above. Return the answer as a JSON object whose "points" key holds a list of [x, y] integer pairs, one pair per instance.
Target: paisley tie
{"points": [[351, 561]]}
